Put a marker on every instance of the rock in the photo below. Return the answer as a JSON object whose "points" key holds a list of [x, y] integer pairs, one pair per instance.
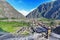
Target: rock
{"points": [[57, 30], [40, 30]]}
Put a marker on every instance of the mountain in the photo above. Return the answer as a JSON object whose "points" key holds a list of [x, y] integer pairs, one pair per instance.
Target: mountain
{"points": [[47, 10], [7, 11]]}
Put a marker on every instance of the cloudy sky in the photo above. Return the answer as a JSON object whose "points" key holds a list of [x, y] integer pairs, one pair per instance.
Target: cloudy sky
{"points": [[25, 6]]}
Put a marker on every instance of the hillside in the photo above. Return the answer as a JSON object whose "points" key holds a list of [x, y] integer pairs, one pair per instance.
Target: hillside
{"points": [[47, 10], [7, 11]]}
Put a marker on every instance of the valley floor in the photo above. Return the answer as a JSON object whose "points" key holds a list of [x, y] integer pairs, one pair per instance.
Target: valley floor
{"points": [[18, 26]]}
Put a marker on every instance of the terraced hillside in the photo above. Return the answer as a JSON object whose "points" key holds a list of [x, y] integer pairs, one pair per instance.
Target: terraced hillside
{"points": [[47, 10], [7, 11]]}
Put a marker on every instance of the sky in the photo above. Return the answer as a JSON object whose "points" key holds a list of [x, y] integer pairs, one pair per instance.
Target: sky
{"points": [[26, 6]]}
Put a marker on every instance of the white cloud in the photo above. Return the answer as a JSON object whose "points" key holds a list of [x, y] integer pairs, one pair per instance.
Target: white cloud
{"points": [[23, 12]]}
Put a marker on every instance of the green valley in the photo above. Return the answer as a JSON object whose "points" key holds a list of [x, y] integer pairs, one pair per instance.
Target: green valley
{"points": [[12, 26]]}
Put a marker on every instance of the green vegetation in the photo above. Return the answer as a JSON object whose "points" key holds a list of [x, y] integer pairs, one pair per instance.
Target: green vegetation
{"points": [[3, 18], [25, 32], [6, 18], [43, 19], [12, 26], [49, 22]]}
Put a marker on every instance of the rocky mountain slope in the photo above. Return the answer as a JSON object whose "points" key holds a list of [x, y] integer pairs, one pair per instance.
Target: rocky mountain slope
{"points": [[47, 10], [7, 11]]}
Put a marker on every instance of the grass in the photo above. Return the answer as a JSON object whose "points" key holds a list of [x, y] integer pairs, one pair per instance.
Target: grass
{"points": [[25, 33], [48, 22], [3, 18], [12, 26]]}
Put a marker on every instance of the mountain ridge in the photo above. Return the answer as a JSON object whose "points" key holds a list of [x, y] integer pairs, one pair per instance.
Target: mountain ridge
{"points": [[47, 10], [7, 11]]}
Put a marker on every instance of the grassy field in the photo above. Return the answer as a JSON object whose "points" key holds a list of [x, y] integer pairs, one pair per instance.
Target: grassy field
{"points": [[12, 26], [49, 22]]}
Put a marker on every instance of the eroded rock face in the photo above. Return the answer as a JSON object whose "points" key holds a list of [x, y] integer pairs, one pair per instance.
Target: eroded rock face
{"points": [[7, 11], [50, 10], [6, 36], [35, 36]]}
